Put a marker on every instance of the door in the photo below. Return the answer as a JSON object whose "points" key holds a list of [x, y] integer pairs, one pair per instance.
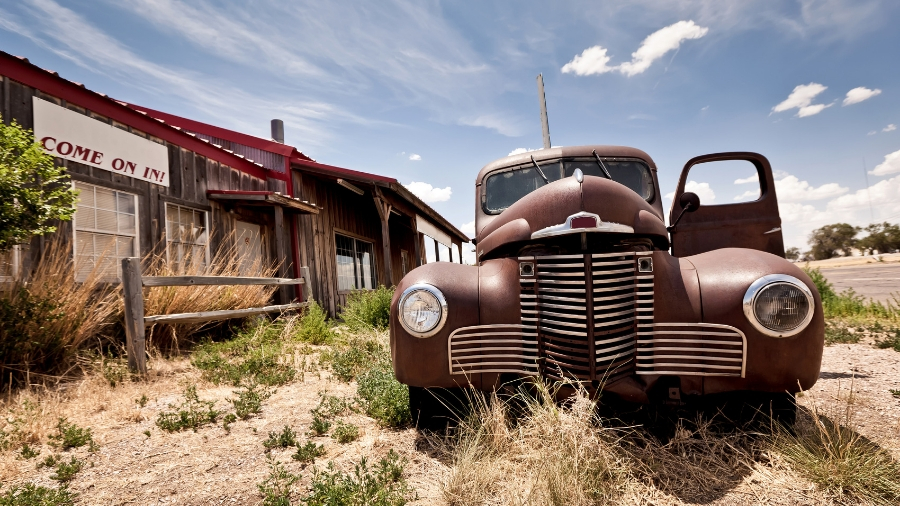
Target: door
{"points": [[249, 248], [753, 225]]}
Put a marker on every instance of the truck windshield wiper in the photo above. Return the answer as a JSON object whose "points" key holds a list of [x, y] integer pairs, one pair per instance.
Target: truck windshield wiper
{"points": [[602, 166], [538, 167]]}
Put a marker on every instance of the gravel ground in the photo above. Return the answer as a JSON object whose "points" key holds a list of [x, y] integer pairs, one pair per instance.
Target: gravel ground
{"points": [[212, 466]]}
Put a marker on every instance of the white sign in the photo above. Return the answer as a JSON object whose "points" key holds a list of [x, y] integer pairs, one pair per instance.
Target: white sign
{"points": [[73, 136]]}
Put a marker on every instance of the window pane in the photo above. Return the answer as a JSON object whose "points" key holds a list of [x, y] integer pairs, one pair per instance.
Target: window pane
{"points": [[366, 265], [84, 217], [126, 224], [113, 212], [85, 194], [126, 203], [445, 253], [124, 247], [106, 220], [345, 263], [106, 199]]}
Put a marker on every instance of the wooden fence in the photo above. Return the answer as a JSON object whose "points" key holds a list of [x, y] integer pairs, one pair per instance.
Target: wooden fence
{"points": [[136, 322]]}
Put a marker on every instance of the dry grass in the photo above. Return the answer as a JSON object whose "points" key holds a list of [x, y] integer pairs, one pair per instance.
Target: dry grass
{"points": [[52, 316], [188, 299]]}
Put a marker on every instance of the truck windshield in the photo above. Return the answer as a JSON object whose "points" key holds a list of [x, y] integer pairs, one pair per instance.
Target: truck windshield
{"points": [[503, 189]]}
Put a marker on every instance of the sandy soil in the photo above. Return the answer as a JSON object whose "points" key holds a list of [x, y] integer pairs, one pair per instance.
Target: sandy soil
{"points": [[212, 466]]}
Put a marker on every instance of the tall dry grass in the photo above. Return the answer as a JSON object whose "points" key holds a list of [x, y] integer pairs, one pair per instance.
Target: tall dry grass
{"points": [[48, 316], [191, 299]]}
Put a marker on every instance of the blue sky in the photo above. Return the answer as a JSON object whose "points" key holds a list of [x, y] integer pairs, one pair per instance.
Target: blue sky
{"points": [[429, 92]]}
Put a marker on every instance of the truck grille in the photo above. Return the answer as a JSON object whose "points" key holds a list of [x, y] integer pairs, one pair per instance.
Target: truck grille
{"points": [[697, 349], [586, 310]]}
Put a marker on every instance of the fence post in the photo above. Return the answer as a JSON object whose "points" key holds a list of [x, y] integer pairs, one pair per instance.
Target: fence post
{"points": [[133, 294], [307, 284]]}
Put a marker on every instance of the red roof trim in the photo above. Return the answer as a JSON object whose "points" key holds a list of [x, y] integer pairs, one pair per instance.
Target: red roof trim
{"points": [[239, 192], [21, 70], [221, 133], [341, 172]]}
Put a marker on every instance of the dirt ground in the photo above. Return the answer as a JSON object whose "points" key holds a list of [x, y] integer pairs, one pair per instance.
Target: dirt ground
{"points": [[212, 466]]}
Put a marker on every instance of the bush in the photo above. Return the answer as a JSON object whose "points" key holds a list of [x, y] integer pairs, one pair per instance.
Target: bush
{"points": [[345, 432], [368, 309], [34, 192], [358, 356], [70, 435], [383, 397], [32, 495], [276, 490], [284, 439], [382, 486], [252, 357], [249, 401], [313, 327], [308, 453], [191, 414], [848, 303], [66, 471]]}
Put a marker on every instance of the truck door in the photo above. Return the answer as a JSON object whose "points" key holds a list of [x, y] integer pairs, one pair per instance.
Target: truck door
{"points": [[754, 225]]}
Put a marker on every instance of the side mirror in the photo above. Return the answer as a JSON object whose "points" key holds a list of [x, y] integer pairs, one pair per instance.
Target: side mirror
{"points": [[689, 202]]}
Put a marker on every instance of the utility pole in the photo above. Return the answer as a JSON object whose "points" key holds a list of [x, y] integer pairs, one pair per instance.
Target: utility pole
{"points": [[545, 124]]}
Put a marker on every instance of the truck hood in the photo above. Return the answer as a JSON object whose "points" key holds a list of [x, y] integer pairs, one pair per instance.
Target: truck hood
{"points": [[595, 205]]}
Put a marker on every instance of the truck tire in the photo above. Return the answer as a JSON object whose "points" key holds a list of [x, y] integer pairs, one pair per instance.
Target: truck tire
{"points": [[435, 408]]}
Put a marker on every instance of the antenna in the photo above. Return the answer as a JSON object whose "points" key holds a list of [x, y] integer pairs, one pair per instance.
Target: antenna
{"points": [[543, 100], [868, 191]]}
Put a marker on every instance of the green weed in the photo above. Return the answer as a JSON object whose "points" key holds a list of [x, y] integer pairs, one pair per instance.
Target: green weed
{"points": [[345, 432], [142, 401], [891, 341], [70, 435], [319, 425], [284, 439], [383, 397], [229, 419], [253, 356], [191, 414], [836, 333], [66, 471], [331, 406], [895, 393], [32, 495], [115, 372], [382, 486], [368, 309], [308, 453], [848, 303], [28, 452], [249, 401], [313, 327], [276, 489], [49, 461], [358, 356]]}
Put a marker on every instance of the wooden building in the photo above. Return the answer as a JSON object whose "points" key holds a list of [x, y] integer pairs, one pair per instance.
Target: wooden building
{"points": [[157, 184]]}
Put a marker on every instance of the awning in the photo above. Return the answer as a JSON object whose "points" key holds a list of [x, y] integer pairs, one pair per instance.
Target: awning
{"points": [[263, 198]]}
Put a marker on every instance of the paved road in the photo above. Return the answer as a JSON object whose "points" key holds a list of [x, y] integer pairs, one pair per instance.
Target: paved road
{"points": [[877, 281]]}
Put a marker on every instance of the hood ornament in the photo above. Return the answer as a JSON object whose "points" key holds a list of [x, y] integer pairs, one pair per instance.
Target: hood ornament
{"points": [[582, 222], [578, 175]]}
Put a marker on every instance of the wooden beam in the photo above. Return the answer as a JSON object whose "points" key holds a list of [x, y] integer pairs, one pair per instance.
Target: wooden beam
{"points": [[217, 280], [219, 315], [133, 296], [384, 212], [281, 256]]}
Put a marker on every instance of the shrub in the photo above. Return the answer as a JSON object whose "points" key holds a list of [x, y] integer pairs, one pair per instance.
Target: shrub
{"points": [[848, 303], [836, 333], [191, 414], [45, 320], [253, 356], [358, 356], [66, 471], [249, 401], [276, 489], [891, 341], [383, 397], [308, 453], [368, 309], [287, 437], [382, 486], [33, 495], [27, 452], [319, 425], [70, 435], [34, 192], [345, 432], [313, 327]]}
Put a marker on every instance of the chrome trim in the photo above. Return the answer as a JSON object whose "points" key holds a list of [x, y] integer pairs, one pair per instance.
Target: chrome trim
{"points": [[695, 354], [520, 338], [437, 295], [757, 287], [566, 228]]}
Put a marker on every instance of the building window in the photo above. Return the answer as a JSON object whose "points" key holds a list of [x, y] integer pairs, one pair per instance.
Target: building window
{"points": [[404, 262], [355, 264], [106, 230], [187, 238]]}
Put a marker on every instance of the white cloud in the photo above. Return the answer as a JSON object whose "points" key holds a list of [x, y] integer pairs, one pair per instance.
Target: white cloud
{"points": [[500, 123], [873, 132], [889, 128], [659, 43], [468, 254], [801, 99], [706, 194], [519, 151], [704, 108], [595, 60], [748, 194], [468, 228], [592, 60], [890, 165], [857, 95], [752, 179], [415, 157], [429, 194], [791, 189]]}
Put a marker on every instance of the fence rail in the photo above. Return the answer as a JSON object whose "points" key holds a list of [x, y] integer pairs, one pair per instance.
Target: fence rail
{"points": [[136, 322]]}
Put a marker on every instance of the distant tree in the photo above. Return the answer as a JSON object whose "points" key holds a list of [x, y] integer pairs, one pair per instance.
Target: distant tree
{"points": [[833, 240], [883, 238], [34, 192], [792, 254]]}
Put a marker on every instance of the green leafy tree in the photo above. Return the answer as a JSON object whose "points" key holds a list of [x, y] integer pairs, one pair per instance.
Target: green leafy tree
{"points": [[792, 254], [34, 192], [834, 240], [883, 238]]}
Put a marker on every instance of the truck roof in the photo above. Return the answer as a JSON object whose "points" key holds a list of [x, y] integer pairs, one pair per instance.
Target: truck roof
{"points": [[564, 152]]}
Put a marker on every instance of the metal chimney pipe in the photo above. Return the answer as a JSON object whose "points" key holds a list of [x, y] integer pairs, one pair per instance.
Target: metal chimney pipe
{"points": [[545, 124], [278, 131]]}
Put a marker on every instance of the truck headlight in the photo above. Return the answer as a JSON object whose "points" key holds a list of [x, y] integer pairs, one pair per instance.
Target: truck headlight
{"points": [[779, 305], [423, 310]]}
